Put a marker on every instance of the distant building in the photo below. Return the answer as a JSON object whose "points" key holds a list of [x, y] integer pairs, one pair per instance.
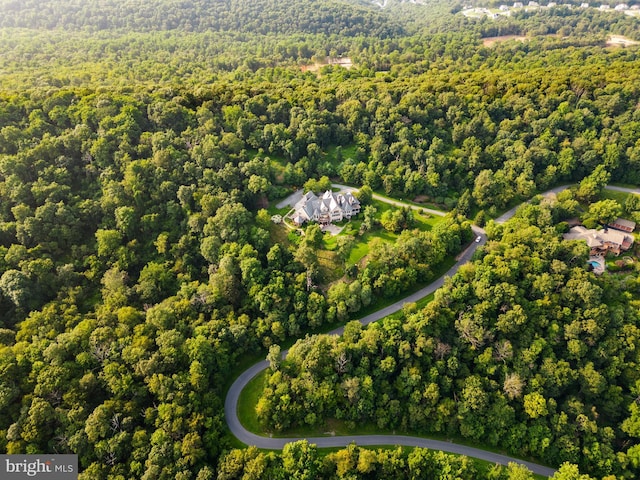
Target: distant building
{"points": [[601, 242], [552, 4], [584, 5], [504, 8], [330, 207], [622, 6], [604, 7], [534, 4], [624, 225], [518, 5]]}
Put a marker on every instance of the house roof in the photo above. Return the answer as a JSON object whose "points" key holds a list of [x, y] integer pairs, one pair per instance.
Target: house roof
{"points": [[624, 224], [598, 238], [311, 206]]}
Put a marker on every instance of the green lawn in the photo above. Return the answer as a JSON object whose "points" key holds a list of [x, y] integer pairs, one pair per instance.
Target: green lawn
{"points": [[348, 151], [424, 222], [330, 242], [361, 247], [248, 401], [400, 197], [620, 197]]}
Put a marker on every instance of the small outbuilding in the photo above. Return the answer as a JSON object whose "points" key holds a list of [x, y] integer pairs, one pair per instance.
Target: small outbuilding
{"points": [[623, 225]]}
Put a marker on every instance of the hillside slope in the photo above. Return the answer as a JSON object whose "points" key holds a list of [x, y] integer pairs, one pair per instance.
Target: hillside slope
{"points": [[255, 16]]}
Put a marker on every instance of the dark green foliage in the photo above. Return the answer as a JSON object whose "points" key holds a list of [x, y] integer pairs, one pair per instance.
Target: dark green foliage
{"points": [[138, 143]]}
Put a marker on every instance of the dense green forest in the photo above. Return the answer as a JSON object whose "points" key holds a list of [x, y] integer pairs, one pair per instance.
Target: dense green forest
{"points": [[143, 146], [537, 362], [255, 17], [304, 461]]}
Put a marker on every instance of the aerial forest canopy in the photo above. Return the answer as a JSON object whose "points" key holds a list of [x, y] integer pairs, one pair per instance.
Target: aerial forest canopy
{"points": [[143, 147], [250, 16], [522, 349]]}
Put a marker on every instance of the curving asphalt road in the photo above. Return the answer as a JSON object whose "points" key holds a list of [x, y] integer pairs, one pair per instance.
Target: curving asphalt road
{"points": [[249, 438], [635, 191], [245, 436]]}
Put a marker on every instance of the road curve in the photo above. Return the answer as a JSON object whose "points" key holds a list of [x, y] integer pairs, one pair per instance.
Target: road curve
{"points": [[635, 191], [249, 438], [245, 436], [510, 213]]}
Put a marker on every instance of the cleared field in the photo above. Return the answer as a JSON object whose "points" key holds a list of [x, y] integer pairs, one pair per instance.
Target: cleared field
{"points": [[491, 41], [620, 41], [344, 62]]}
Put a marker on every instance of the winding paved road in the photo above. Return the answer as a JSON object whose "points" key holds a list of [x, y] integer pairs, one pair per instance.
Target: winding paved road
{"points": [[245, 436]]}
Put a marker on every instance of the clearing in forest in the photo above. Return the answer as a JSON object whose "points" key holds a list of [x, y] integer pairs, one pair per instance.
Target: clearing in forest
{"points": [[491, 41], [620, 41], [344, 62]]}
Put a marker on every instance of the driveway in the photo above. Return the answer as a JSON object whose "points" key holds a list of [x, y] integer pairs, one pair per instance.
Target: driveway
{"points": [[391, 201], [291, 200]]}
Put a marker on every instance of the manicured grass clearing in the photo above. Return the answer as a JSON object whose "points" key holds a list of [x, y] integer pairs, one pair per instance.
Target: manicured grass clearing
{"points": [[330, 267], [278, 161], [348, 151], [619, 197], [330, 242], [430, 205], [248, 401], [424, 222]]}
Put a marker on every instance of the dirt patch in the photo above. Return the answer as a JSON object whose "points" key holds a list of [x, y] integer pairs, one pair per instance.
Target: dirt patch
{"points": [[491, 41], [344, 62], [421, 199], [620, 41]]}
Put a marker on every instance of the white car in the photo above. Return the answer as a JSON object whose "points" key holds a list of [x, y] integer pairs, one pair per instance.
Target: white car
{"points": [[478, 238]]}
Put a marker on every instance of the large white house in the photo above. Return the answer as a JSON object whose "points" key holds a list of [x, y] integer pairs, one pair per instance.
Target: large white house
{"points": [[330, 207]]}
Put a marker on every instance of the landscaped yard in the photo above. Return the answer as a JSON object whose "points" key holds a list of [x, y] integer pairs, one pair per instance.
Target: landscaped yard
{"points": [[424, 222], [620, 197]]}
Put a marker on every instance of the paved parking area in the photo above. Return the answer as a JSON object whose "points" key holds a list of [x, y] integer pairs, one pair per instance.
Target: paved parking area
{"points": [[291, 200], [332, 229]]}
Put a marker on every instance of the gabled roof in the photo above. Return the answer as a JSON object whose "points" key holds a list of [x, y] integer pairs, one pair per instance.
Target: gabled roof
{"points": [[623, 224], [311, 207]]}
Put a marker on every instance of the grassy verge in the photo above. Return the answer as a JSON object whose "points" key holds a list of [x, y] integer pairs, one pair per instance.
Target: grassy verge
{"points": [[248, 401], [620, 197]]}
